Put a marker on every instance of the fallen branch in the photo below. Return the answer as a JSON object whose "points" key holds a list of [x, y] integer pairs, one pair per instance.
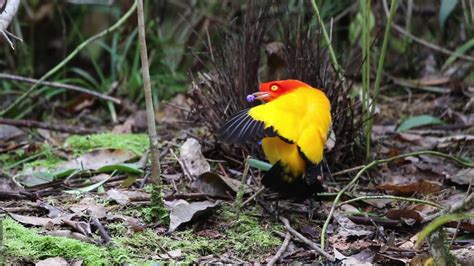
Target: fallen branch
{"points": [[280, 251], [102, 232], [43, 125], [375, 163], [308, 242], [70, 57], [368, 197], [62, 86]]}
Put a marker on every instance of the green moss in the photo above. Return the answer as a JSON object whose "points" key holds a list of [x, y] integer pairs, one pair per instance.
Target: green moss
{"points": [[136, 143], [28, 244], [244, 236]]}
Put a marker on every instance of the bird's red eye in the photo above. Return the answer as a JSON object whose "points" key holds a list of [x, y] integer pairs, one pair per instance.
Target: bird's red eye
{"points": [[274, 88]]}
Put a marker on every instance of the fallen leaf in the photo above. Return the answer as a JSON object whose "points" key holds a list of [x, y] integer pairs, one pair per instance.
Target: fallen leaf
{"points": [[215, 184], [192, 157], [463, 177], [422, 186], [123, 197], [408, 216], [347, 228], [465, 255], [118, 196], [33, 220], [8, 132], [365, 257], [55, 261], [96, 159], [88, 206], [182, 211]]}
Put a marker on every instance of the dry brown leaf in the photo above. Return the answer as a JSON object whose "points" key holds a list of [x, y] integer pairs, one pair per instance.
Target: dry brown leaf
{"points": [[422, 186]]}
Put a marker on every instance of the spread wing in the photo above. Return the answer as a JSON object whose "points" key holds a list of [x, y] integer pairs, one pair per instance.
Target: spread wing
{"points": [[302, 117], [241, 127]]}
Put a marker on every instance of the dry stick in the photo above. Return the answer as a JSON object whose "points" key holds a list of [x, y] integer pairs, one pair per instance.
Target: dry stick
{"points": [[377, 162], [102, 232], [70, 57], [369, 197], [43, 125], [308, 242], [150, 114], [280, 251], [62, 86]]}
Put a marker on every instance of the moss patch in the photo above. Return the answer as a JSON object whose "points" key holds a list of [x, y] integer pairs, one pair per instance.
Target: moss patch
{"points": [[243, 236], [136, 143], [28, 244]]}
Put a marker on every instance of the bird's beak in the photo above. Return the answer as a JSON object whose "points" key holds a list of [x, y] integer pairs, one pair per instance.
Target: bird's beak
{"points": [[261, 95]]}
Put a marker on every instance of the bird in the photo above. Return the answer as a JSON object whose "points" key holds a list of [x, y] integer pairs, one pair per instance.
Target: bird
{"points": [[293, 124]]}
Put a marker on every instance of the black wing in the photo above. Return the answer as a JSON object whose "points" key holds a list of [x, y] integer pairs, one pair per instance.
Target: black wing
{"points": [[241, 127]]}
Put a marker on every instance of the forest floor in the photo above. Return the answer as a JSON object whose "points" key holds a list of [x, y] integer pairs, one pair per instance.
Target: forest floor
{"points": [[87, 199]]}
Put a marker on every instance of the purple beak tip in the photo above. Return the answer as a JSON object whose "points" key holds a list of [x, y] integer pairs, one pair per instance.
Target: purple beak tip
{"points": [[250, 98]]}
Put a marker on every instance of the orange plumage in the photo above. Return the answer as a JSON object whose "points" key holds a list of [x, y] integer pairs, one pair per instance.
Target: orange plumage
{"points": [[293, 122]]}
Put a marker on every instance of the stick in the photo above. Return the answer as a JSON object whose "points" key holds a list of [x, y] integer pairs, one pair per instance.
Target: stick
{"points": [[62, 86], [368, 197], [102, 232], [43, 125], [308, 242], [280, 251], [70, 57], [150, 114]]}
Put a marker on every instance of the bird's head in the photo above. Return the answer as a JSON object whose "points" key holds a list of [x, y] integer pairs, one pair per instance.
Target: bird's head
{"points": [[269, 91]]}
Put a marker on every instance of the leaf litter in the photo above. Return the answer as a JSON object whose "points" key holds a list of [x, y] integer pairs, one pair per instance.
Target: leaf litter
{"points": [[198, 227]]}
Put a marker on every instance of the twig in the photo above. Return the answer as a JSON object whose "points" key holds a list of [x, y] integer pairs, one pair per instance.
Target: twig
{"points": [[308, 242], [43, 125], [62, 86], [460, 206], [377, 162], [345, 171], [102, 232], [150, 114], [253, 196], [183, 166], [280, 251], [368, 197], [70, 57]]}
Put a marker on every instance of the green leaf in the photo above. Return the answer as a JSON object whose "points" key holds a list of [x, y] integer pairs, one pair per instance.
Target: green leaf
{"points": [[418, 121], [131, 168], [447, 7], [88, 188], [260, 164], [459, 51]]}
